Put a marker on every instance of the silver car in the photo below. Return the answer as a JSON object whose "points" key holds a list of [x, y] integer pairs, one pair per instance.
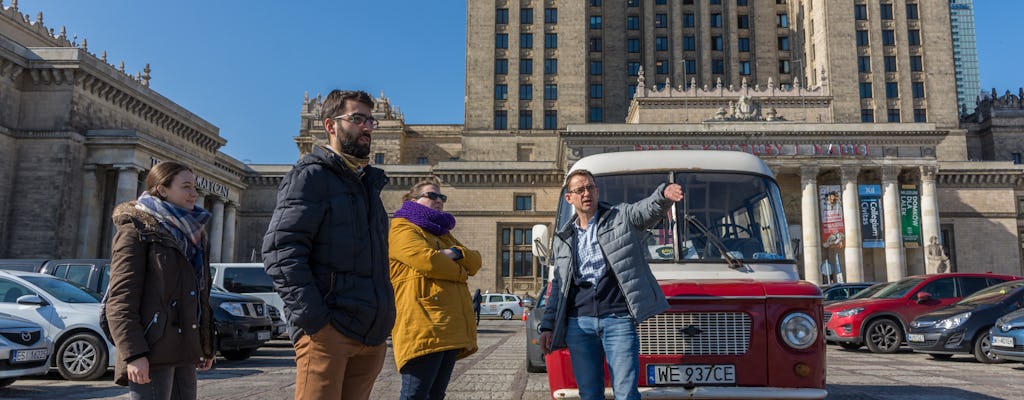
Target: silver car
{"points": [[24, 349]]}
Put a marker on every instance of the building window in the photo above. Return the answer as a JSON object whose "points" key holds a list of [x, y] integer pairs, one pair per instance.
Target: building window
{"points": [[526, 16], [715, 21], [550, 40], [784, 66], [915, 64], [501, 92], [892, 90], [661, 67], [595, 3], [743, 21], [741, 3], [860, 12], [743, 44], [864, 64], [784, 43], [867, 115], [862, 38], [596, 91], [691, 66], [890, 63], [524, 202], [595, 22], [551, 15], [550, 91], [885, 11], [894, 115], [501, 16], [500, 66], [689, 43], [550, 119], [596, 114], [914, 37], [500, 119], [744, 67], [687, 2], [716, 43], [782, 20], [888, 37], [918, 89], [550, 66], [633, 22], [911, 11], [595, 44], [501, 41], [516, 252], [661, 43], [596, 67], [920, 116], [688, 20], [422, 161], [716, 1], [633, 68], [631, 90], [865, 90], [717, 67], [378, 158], [525, 119], [525, 40], [632, 3], [660, 20], [526, 92], [526, 66], [633, 45]]}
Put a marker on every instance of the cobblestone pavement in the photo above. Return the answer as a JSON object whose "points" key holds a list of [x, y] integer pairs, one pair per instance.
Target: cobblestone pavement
{"points": [[498, 371]]}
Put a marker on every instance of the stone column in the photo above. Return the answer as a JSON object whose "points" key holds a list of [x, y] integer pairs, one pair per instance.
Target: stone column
{"points": [[216, 229], [127, 183], [929, 208], [811, 223], [228, 253], [201, 200], [89, 215], [895, 261], [854, 268]]}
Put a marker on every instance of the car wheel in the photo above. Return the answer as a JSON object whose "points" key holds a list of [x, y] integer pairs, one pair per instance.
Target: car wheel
{"points": [[82, 357], [983, 349], [850, 346], [507, 314], [238, 355], [883, 336], [531, 367], [941, 356], [7, 381]]}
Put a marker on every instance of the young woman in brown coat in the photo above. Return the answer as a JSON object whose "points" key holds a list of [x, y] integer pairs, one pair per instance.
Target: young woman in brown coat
{"points": [[158, 304]]}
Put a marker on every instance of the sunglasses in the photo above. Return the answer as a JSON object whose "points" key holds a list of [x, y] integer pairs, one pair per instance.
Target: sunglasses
{"points": [[434, 196]]}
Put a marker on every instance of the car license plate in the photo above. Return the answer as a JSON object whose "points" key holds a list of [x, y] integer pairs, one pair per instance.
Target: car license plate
{"points": [[20, 356], [691, 374], [1002, 341], [915, 337], [263, 335]]}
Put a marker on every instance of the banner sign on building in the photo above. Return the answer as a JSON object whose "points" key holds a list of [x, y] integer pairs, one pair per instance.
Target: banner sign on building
{"points": [[910, 216], [833, 234], [871, 227]]}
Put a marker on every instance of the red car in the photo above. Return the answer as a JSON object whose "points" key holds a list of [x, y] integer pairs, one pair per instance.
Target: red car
{"points": [[880, 321]]}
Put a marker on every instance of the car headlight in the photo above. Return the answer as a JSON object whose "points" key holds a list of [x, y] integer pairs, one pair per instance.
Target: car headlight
{"points": [[798, 330], [850, 312], [954, 321], [233, 308]]}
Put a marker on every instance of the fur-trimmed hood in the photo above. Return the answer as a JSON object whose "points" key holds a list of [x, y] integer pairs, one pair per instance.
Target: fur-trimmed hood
{"points": [[125, 212]]}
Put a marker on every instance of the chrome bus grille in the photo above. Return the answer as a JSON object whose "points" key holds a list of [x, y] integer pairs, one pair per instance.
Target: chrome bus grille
{"points": [[715, 333]]}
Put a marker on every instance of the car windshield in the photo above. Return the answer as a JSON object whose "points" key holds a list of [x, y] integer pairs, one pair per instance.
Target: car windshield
{"points": [[870, 291], [897, 289], [992, 294], [65, 291]]}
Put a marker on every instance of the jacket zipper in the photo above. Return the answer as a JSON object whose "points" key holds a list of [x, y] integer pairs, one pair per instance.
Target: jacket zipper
{"points": [[156, 317], [330, 289]]}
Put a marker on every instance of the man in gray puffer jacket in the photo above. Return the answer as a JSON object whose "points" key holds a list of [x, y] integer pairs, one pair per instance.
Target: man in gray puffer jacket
{"points": [[603, 287], [327, 252]]}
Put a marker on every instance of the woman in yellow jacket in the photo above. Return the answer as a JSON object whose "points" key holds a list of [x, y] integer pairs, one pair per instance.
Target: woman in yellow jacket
{"points": [[429, 268]]}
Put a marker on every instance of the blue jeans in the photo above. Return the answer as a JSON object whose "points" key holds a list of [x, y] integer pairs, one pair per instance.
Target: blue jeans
{"points": [[590, 340], [426, 377]]}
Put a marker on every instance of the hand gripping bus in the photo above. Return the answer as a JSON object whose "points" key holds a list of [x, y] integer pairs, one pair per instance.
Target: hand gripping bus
{"points": [[741, 323]]}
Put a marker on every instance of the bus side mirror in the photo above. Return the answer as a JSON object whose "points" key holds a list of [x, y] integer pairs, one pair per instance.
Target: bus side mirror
{"points": [[541, 238]]}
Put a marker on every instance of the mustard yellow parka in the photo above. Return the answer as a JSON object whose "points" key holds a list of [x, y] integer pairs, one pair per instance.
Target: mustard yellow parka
{"points": [[434, 307]]}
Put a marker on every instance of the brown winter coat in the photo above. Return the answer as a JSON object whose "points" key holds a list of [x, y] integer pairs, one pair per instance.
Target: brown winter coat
{"points": [[154, 307]]}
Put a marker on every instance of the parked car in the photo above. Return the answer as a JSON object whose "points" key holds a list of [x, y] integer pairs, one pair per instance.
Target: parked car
{"points": [[879, 322], [843, 291], [69, 314], [27, 265], [870, 291], [242, 322], [1008, 336], [964, 326], [533, 315], [24, 349], [251, 279], [505, 305]]}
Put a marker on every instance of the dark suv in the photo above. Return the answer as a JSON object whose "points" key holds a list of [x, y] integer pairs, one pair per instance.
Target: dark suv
{"points": [[242, 323]]}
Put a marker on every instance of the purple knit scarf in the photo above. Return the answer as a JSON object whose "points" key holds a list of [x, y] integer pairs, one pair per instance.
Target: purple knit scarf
{"points": [[435, 222]]}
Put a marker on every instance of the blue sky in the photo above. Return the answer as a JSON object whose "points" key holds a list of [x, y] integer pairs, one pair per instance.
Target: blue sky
{"points": [[244, 65]]}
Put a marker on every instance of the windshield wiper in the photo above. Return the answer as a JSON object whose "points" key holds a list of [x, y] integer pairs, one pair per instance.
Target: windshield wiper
{"points": [[715, 241]]}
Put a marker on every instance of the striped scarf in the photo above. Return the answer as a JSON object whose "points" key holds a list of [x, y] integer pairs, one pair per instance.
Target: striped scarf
{"points": [[186, 226]]}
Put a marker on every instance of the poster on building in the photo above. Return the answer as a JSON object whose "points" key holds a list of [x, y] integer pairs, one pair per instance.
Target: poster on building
{"points": [[910, 216], [833, 234], [871, 227]]}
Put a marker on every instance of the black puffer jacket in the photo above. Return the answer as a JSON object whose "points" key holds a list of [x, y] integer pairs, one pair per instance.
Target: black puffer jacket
{"points": [[327, 251]]}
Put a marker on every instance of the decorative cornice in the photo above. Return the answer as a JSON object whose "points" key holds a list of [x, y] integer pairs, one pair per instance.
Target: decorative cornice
{"points": [[981, 179], [509, 178], [971, 214], [69, 135]]}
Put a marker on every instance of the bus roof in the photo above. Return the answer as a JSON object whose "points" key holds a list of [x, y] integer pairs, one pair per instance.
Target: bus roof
{"points": [[674, 160]]}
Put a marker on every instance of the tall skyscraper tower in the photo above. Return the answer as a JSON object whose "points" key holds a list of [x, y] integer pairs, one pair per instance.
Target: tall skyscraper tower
{"points": [[965, 53]]}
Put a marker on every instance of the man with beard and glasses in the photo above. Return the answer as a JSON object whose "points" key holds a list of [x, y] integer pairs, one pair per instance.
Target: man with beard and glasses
{"points": [[326, 250]]}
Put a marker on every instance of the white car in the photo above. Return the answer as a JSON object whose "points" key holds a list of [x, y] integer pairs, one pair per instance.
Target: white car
{"points": [[23, 349], [70, 316], [507, 306]]}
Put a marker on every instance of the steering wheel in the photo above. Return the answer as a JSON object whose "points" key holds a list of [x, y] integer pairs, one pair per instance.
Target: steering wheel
{"points": [[732, 230]]}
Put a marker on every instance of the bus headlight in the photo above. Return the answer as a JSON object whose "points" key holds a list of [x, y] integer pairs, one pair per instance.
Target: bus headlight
{"points": [[798, 330]]}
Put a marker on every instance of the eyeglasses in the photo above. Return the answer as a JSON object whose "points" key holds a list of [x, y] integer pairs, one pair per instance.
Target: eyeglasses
{"points": [[359, 119], [434, 196], [583, 189]]}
